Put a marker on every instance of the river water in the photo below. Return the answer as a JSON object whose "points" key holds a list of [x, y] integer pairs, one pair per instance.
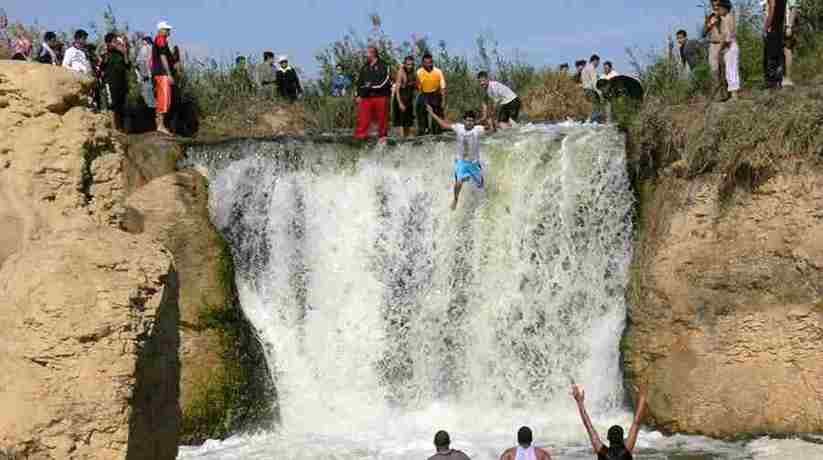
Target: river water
{"points": [[386, 317]]}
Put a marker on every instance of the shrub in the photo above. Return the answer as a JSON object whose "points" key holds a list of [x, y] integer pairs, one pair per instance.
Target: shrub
{"points": [[553, 96]]}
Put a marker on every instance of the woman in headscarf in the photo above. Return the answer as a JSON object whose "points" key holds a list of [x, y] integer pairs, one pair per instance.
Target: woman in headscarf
{"points": [[619, 448]]}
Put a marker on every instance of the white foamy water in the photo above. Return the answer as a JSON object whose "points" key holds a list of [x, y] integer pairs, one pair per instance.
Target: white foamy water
{"points": [[387, 317]]}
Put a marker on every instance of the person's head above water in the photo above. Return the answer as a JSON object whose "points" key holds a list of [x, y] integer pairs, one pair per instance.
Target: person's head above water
{"points": [[428, 62], [442, 442], [483, 78], [617, 444], [525, 437]]}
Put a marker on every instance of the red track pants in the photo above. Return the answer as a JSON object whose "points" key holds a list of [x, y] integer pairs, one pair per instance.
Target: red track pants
{"points": [[372, 109]]}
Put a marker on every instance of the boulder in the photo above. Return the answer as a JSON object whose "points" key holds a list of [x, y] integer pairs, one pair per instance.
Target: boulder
{"points": [[148, 157], [726, 307]]}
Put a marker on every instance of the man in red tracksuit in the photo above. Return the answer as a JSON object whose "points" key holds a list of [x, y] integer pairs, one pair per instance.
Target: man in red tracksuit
{"points": [[372, 96]]}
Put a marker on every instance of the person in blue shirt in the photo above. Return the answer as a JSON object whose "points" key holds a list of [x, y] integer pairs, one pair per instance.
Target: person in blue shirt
{"points": [[341, 83]]}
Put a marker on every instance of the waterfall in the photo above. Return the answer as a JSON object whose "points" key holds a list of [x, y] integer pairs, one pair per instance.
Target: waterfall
{"points": [[385, 316]]}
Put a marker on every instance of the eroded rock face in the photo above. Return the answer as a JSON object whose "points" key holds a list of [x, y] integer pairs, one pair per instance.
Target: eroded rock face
{"points": [[88, 312], [726, 308], [77, 330], [174, 211]]}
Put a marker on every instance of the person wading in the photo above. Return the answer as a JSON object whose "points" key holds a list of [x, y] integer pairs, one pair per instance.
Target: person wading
{"points": [[431, 83], [524, 449], [405, 87], [442, 443], [372, 96], [618, 448]]}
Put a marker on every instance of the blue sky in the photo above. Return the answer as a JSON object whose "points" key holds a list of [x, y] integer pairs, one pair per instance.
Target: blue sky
{"points": [[544, 32]]}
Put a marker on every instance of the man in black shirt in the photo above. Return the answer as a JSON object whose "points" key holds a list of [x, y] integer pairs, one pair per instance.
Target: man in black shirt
{"points": [[288, 83], [115, 75], [775, 30], [372, 95]]}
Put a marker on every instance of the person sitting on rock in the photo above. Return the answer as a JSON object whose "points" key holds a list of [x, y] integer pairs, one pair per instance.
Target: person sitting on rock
{"points": [[618, 448]]}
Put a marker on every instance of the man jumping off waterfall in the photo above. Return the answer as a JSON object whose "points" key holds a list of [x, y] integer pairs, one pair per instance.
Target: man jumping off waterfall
{"points": [[467, 159]]}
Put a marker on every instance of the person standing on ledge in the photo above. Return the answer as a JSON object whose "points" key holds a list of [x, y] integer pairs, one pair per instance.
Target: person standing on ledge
{"points": [[467, 164], [442, 443], [773, 49], [162, 69], [524, 449], [288, 83], [405, 86], [372, 96], [618, 448], [503, 106], [431, 84]]}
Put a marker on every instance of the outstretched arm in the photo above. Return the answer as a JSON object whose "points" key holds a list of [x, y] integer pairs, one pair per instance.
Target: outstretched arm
{"points": [[443, 123], [638, 418], [579, 396]]}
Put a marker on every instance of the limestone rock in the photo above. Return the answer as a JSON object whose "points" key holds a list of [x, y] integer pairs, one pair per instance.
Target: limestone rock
{"points": [[148, 157], [174, 211], [89, 325], [56, 90], [725, 316]]}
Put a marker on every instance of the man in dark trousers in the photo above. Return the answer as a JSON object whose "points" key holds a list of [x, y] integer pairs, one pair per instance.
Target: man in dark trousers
{"points": [[372, 96], [431, 86], [115, 73], [288, 83], [774, 58]]}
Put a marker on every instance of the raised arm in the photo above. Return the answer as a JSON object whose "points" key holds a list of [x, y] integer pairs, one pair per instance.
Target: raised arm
{"points": [[579, 396], [443, 123], [638, 418]]}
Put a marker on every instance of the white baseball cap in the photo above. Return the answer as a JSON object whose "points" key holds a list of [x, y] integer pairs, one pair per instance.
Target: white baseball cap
{"points": [[282, 58], [163, 25]]}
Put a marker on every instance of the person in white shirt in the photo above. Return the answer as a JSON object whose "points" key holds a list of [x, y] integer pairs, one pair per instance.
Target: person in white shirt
{"points": [[75, 58], [589, 80], [504, 102], [467, 161], [608, 71]]}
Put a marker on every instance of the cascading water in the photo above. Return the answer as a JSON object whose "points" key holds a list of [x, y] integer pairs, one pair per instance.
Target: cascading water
{"points": [[386, 317]]}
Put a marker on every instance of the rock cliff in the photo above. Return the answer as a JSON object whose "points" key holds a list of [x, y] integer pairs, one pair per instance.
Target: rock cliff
{"points": [[726, 299], [88, 312]]}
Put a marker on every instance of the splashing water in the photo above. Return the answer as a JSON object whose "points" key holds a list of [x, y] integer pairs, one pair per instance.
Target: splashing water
{"points": [[387, 317]]}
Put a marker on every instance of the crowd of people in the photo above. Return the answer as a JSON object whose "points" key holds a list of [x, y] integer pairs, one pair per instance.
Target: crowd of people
{"points": [[156, 67], [720, 30], [403, 97], [618, 447]]}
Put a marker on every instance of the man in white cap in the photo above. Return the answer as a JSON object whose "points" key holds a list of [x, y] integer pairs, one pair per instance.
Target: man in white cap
{"points": [[288, 83], [162, 70]]}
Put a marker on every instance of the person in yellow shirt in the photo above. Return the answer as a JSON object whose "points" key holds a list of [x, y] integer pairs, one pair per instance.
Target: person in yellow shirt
{"points": [[431, 86]]}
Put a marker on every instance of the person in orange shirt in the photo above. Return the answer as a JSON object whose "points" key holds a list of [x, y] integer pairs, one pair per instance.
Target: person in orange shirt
{"points": [[431, 86]]}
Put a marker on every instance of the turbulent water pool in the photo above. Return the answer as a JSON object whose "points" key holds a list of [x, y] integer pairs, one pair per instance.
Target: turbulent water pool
{"points": [[386, 317]]}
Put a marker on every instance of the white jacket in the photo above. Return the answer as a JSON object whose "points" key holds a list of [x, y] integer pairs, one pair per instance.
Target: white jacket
{"points": [[75, 59]]}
